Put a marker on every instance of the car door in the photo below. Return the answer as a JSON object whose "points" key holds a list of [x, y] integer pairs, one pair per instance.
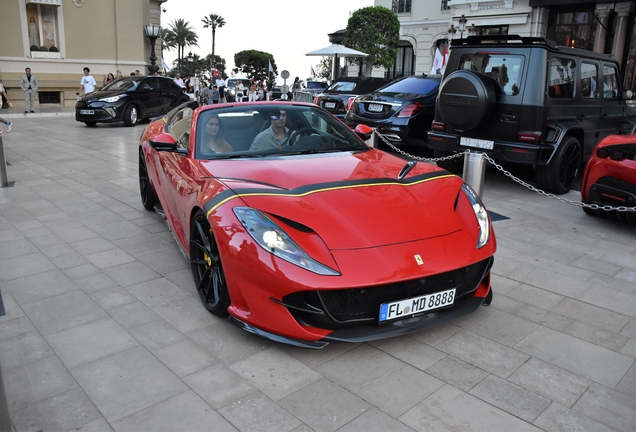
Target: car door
{"points": [[149, 96], [612, 104], [169, 94], [177, 173]]}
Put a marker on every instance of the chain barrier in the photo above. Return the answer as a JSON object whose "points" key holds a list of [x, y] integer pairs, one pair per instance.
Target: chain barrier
{"points": [[511, 176]]}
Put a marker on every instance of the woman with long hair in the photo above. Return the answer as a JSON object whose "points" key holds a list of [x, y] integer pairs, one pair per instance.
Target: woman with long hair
{"points": [[213, 137], [108, 78]]}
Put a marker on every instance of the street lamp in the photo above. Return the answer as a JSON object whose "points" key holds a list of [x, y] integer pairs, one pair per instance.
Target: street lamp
{"points": [[191, 59], [152, 32], [462, 26], [451, 32]]}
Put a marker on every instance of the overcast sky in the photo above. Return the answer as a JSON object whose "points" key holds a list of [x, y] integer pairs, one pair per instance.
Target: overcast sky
{"points": [[287, 29]]}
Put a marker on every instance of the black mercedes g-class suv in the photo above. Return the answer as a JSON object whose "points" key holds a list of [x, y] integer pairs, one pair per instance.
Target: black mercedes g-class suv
{"points": [[529, 101]]}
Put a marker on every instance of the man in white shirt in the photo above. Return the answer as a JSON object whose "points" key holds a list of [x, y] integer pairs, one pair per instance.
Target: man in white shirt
{"points": [[220, 84], [179, 80], [87, 82]]}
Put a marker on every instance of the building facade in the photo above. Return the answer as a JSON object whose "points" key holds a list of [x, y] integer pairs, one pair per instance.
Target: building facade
{"points": [[58, 38], [428, 25]]}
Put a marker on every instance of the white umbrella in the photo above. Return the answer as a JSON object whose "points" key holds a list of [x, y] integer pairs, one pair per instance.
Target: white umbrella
{"points": [[336, 50]]}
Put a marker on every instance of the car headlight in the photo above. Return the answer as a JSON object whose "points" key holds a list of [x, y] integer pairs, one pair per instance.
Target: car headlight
{"points": [[111, 99], [274, 240], [480, 213]]}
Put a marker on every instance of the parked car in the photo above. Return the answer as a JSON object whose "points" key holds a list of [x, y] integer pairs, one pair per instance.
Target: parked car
{"points": [[230, 88], [279, 237], [315, 87], [529, 101], [130, 99], [610, 177], [402, 110], [334, 98]]}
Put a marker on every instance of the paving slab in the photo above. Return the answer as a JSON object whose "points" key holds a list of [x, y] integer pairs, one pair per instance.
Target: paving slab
{"points": [[104, 331]]}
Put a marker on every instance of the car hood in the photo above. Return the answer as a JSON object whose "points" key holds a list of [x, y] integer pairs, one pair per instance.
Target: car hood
{"points": [[355, 201], [100, 94]]}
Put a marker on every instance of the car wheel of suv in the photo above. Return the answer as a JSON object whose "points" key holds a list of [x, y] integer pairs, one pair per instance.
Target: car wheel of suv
{"points": [[131, 115], [456, 165], [466, 99], [560, 174]]}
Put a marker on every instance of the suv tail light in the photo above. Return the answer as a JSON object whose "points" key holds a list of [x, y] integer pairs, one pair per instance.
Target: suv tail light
{"points": [[316, 101], [528, 137], [438, 126], [411, 109], [350, 103]]}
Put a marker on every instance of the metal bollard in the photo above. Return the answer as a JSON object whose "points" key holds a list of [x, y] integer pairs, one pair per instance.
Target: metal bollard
{"points": [[474, 171], [5, 421], [4, 179]]}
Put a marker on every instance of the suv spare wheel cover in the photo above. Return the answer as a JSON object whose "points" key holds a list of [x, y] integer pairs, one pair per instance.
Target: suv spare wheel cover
{"points": [[466, 99]]}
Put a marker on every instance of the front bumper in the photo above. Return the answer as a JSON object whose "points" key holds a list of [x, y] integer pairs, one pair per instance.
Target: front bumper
{"points": [[514, 152], [102, 113]]}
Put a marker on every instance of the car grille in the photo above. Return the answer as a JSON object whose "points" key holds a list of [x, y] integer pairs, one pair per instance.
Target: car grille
{"points": [[363, 304]]}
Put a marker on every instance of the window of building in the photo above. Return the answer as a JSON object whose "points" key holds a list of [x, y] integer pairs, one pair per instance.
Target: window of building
{"points": [[445, 5], [573, 29], [42, 26], [401, 6], [491, 30], [404, 61]]}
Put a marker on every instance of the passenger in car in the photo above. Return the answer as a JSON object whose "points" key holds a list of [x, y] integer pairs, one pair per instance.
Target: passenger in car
{"points": [[214, 137]]}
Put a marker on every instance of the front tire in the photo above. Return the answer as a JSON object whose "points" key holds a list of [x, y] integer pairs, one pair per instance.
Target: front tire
{"points": [[148, 197], [456, 165], [560, 174], [207, 269], [131, 115]]}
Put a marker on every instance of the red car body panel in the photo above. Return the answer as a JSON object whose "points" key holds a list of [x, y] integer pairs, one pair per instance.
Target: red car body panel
{"points": [[609, 178], [363, 222]]}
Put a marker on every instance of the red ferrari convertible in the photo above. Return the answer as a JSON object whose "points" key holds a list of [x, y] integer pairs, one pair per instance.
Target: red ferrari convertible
{"points": [[301, 233], [610, 177]]}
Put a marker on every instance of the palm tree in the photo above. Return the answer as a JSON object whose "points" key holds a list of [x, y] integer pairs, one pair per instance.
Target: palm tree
{"points": [[213, 21], [180, 35]]}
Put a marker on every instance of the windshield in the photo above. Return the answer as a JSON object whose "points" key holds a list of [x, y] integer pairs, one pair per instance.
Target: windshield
{"points": [[122, 84], [265, 129], [342, 86]]}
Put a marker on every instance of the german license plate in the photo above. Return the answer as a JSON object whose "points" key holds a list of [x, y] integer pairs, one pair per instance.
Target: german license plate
{"points": [[87, 112], [417, 305], [330, 104], [479, 143], [375, 107]]}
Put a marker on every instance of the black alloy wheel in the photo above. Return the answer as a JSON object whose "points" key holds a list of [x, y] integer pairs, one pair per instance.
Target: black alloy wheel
{"points": [[148, 198], [561, 173], [207, 269], [131, 115]]}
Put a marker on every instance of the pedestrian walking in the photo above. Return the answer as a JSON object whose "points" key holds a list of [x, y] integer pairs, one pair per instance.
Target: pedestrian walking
{"points": [[87, 82], [7, 123], [215, 95], [5, 96], [220, 84], [29, 85]]}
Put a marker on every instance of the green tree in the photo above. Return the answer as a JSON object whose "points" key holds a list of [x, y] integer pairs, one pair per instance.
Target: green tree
{"points": [[374, 30], [213, 21], [220, 63], [254, 63], [180, 35], [323, 70]]}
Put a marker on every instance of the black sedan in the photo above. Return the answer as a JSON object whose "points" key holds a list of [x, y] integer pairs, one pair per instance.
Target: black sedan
{"points": [[130, 99], [402, 110], [334, 99]]}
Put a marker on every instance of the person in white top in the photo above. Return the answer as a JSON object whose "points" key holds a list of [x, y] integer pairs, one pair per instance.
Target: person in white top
{"points": [[220, 83], [239, 90], [179, 80], [252, 94], [87, 82]]}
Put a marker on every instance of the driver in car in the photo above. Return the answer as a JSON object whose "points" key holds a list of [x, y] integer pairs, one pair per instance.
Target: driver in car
{"points": [[274, 136]]}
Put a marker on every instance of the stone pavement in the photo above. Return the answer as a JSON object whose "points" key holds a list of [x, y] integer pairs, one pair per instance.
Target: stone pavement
{"points": [[104, 330]]}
